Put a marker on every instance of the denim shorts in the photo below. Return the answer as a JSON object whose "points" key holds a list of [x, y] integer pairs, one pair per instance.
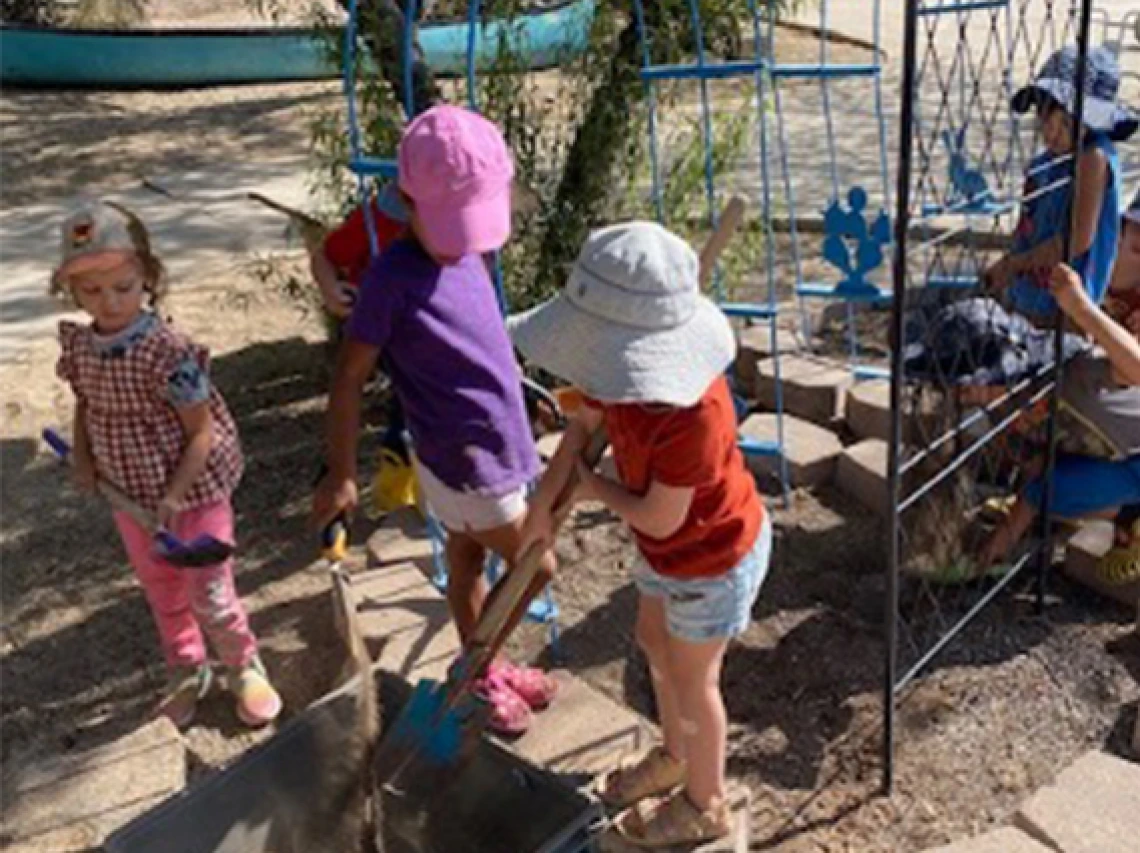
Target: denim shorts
{"points": [[701, 609]]}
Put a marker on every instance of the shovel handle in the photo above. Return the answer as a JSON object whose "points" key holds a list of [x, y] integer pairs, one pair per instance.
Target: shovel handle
{"points": [[510, 592], [115, 497]]}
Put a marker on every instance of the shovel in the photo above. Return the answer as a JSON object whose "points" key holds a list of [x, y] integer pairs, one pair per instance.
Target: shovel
{"points": [[440, 721], [201, 552]]}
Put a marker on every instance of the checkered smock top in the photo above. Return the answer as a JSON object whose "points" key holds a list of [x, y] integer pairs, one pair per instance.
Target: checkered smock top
{"points": [[131, 386]]}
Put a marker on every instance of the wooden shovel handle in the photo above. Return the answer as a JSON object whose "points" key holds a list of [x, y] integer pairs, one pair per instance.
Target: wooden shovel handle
{"points": [[729, 222]]}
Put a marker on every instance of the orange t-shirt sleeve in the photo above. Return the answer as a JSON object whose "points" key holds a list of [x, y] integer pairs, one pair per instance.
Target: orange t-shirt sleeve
{"points": [[686, 451]]}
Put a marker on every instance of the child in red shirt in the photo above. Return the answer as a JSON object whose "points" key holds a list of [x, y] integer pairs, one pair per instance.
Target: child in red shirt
{"points": [[632, 331], [346, 253]]}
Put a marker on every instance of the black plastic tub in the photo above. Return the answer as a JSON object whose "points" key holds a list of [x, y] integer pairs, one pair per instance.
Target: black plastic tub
{"points": [[495, 803]]}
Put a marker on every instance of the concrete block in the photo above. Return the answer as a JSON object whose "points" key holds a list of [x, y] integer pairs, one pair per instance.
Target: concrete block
{"points": [[1092, 807], [54, 802], [754, 345], [401, 536], [584, 732], [811, 450], [1008, 839], [1084, 550], [862, 474], [814, 387], [868, 410]]}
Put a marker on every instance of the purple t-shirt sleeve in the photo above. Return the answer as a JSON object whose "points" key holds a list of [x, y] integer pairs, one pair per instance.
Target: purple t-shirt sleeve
{"points": [[380, 303]]}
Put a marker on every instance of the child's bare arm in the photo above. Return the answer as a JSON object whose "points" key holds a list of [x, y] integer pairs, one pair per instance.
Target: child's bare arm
{"points": [[659, 513], [1119, 344], [328, 280], [337, 491], [583, 424], [197, 426]]}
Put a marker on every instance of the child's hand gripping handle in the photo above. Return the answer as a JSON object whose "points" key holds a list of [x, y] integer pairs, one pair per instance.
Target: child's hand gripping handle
{"points": [[116, 498], [334, 539], [511, 593]]}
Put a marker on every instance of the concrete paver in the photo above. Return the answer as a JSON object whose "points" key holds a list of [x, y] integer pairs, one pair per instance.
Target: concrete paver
{"points": [[862, 473], [868, 410], [1084, 550], [1008, 839], [76, 799], [811, 450], [1092, 807], [814, 387]]}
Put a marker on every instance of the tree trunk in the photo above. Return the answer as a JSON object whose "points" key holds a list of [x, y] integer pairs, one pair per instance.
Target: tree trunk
{"points": [[591, 164]]}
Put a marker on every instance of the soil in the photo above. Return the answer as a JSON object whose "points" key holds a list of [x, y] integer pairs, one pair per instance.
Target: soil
{"points": [[1011, 703]]}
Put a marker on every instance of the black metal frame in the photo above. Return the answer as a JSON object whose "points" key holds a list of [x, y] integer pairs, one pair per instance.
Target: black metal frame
{"points": [[914, 166]]}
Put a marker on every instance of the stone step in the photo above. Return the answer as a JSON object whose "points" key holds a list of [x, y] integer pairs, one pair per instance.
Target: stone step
{"points": [[867, 410], [1092, 542], [811, 450], [754, 345], [1008, 839], [71, 802], [862, 474], [813, 387], [1092, 807], [584, 732]]}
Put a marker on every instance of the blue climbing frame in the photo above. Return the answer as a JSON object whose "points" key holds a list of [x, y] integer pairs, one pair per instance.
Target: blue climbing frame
{"points": [[845, 229], [367, 168]]}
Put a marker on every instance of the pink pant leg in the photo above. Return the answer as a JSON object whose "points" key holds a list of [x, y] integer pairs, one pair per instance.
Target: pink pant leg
{"points": [[168, 595], [213, 598]]}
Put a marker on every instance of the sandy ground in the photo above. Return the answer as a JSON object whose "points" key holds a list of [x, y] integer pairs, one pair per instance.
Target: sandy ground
{"points": [[1008, 706]]}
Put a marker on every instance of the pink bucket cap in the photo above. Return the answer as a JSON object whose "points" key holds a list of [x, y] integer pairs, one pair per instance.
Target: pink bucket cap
{"points": [[456, 167]]}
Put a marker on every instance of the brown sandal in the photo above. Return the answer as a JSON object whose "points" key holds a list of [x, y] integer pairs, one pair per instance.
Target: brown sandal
{"points": [[653, 774], [674, 820]]}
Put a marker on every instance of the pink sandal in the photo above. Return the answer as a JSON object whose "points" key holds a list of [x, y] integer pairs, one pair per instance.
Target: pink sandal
{"points": [[510, 714], [535, 687]]}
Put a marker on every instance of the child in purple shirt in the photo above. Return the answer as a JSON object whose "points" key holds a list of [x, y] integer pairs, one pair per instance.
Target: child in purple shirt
{"points": [[429, 304]]}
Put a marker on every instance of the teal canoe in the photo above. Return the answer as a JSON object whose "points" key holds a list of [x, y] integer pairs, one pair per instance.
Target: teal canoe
{"points": [[157, 58]]}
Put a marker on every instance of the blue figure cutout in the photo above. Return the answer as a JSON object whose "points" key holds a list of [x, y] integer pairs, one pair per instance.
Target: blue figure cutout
{"points": [[840, 226], [969, 191]]}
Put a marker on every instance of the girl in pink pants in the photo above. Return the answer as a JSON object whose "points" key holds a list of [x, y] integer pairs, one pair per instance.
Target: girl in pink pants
{"points": [[148, 420]]}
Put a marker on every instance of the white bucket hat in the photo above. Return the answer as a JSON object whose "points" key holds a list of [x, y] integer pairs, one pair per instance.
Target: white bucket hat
{"points": [[631, 325]]}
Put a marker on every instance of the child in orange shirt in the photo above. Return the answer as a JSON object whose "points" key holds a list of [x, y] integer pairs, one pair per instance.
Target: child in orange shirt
{"points": [[632, 331]]}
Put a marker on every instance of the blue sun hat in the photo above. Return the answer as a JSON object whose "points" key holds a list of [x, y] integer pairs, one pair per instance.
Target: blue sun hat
{"points": [[1101, 84]]}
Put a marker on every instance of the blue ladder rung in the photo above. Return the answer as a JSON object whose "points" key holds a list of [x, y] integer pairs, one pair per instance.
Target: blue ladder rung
{"points": [[953, 282], [750, 310], [821, 290], [759, 447], [972, 208], [800, 71], [865, 372], [373, 166], [715, 71], [949, 8]]}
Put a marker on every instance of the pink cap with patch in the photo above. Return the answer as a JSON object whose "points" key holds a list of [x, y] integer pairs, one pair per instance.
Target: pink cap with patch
{"points": [[456, 167]]}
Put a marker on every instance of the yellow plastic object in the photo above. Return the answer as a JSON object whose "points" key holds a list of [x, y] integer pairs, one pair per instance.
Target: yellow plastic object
{"points": [[394, 484], [334, 541]]}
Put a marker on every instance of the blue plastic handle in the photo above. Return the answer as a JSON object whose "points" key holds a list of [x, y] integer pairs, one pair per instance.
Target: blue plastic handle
{"points": [[57, 443]]}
